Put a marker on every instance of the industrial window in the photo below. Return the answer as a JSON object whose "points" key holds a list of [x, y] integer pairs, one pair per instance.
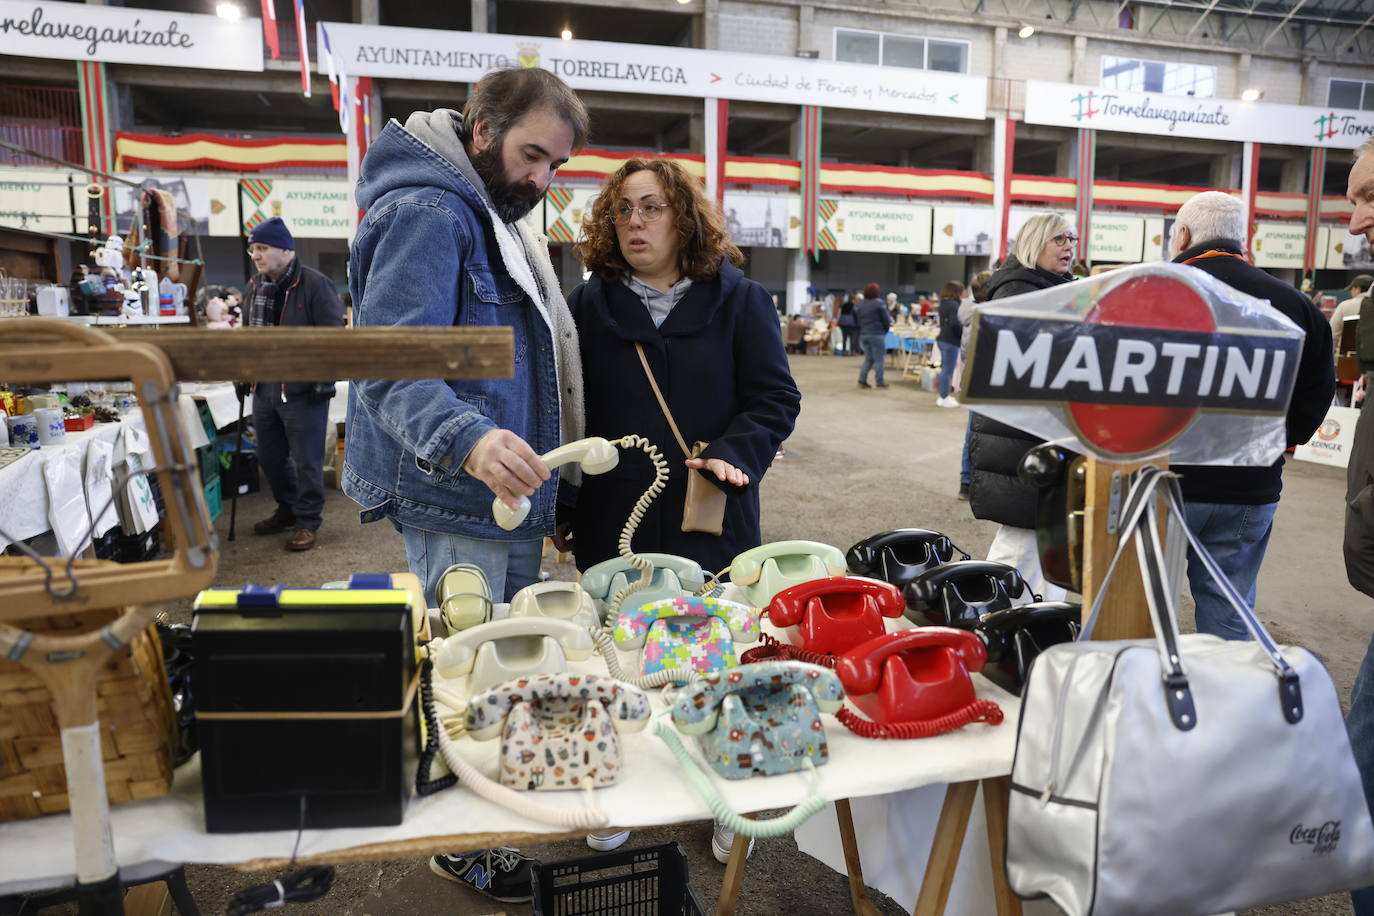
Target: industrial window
{"points": [[1355, 94], [1130, 74], [859, 46]]}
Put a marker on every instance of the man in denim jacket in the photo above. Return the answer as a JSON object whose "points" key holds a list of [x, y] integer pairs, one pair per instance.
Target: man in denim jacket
{"points": [[444, 242]]}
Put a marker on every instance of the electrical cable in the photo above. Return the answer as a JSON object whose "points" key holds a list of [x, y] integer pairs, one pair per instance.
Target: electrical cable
{"points": [[301, 886], [423, 784], [773, 650], [643, 564]]}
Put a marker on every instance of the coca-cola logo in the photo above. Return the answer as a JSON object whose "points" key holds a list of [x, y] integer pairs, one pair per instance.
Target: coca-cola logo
{"points": [[1322, 839]]}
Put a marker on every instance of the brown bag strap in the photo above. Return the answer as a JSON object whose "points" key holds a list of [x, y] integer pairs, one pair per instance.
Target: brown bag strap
{"points": [[653, 383]]}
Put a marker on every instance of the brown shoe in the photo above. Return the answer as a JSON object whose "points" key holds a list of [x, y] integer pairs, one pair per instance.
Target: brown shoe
{"points": [[276, 523], [301, 539]]}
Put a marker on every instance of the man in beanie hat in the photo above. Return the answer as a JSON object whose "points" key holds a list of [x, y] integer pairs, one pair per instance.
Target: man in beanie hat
{"points": [[1350, 308], [290, 418]]}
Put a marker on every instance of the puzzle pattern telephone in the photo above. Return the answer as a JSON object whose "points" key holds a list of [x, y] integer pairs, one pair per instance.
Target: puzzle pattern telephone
{"points": [[558, 731], [915, 683], [691, 634]]}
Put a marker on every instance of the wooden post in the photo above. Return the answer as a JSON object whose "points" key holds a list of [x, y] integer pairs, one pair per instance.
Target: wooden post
{"points": [[858, 894], [996, 797], [734, 876], [944, 849], [1125, 614]]}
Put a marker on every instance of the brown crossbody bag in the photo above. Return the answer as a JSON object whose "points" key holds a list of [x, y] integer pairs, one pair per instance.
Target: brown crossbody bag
{"points": [[704, 509]]}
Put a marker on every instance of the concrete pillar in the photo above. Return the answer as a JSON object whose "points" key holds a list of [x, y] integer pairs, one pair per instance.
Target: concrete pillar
{"points": [[710, 25], [1225, 172], [482, 18], [367, 12], [1066, 159], [696, 135], [1078, 67], [1293, 178], [999, 51], [798, 264], [1312, 84], [1242, 74], [806, 23]]}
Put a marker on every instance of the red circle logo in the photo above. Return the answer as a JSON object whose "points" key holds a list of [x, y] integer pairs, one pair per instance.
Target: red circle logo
{"points": [[1144, 302], [1329, 430]]}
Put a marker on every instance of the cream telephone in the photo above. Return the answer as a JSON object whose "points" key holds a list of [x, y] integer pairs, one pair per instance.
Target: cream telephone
{"points": [[498, 651], [560, 600], [596, 455]]}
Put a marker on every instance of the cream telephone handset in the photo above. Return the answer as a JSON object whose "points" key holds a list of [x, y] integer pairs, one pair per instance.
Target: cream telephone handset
{"points": [[596, 455], [494, 652]]}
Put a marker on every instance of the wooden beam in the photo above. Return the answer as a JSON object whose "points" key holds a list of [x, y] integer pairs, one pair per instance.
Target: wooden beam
{"points": [[305, 354]]}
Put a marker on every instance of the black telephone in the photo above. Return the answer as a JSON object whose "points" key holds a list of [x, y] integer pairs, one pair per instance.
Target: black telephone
{"points": [[961, 593], [1014, 637], [1061, 476], [901, 555]]}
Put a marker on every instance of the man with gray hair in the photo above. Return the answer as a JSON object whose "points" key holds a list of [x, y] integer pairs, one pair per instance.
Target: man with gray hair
{"points": [[1231, 509]]}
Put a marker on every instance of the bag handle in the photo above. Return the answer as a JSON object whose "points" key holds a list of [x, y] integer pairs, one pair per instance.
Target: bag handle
{"points": [[653, 383]]}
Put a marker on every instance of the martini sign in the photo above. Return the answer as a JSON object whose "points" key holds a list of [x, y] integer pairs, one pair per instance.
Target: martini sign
{"points": [[1131, 365]]}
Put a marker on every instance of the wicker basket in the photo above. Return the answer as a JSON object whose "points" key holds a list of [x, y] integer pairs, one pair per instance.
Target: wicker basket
{"points": [[137, 723]]}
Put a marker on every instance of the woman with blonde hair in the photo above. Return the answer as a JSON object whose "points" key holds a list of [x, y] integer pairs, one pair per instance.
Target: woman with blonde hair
{"points": [[1043, 257]]}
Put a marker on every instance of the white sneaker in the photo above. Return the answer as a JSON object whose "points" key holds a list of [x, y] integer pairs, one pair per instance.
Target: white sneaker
{"points": [[947, 401], [722, 840], [605, 842]]}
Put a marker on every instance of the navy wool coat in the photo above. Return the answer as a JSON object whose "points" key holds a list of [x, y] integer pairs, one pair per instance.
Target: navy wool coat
{"points": [[720, 363]]}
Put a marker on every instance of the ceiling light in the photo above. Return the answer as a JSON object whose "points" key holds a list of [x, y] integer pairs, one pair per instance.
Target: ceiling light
{"points": [[684, 2], [1026, 31], [567, 34], [231, 11], [1252, 95]]}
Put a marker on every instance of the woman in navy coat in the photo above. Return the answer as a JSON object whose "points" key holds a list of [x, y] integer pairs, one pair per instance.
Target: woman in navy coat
{"points": [[666, 275]]}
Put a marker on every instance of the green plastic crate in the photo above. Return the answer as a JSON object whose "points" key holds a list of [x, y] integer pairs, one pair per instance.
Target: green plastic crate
{"points": [[213, 500]]}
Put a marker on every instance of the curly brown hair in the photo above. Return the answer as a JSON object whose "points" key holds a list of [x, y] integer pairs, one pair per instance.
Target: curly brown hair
{"points": [[702, 239]]}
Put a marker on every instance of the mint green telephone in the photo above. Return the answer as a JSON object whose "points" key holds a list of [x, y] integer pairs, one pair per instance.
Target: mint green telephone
{"points": [[672, 577], [764, 571]]}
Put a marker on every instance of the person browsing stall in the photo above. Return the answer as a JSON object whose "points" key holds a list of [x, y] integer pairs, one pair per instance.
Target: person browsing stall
{"points": [[951, 333], [290, 418], [873, 320]]}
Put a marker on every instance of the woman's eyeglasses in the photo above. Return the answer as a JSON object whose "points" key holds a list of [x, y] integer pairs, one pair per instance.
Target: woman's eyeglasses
{"points": [[1065, 238], [650, 213]]}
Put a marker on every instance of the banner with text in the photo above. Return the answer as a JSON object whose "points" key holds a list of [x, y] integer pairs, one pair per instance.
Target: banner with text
{"points": [[962, 230], [1068, 105], [1279, 244], [39, 198], [1117, 238], [310, 209], [610, 66], [871, 225], [120, 35]]}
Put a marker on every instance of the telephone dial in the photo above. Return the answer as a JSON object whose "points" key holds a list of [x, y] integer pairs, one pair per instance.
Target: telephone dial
{"points": [[673, 577], [559, 600], [914, 683], [1061, 477], [832, 615], [762, 718], [959, 594], [596, 455], [692, 635], [764, 571], [1014, 638], [901, 555], [491, 653], [558, 731]]}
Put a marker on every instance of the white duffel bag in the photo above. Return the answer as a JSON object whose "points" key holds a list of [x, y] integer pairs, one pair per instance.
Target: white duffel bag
{"points": [[1181, 775]]}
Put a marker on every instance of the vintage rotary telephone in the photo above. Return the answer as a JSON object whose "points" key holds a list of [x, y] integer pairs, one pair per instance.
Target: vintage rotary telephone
{"points": [[491, 653], [829, 616], [558, 731], [959, 594], [914, 683], [1062, 479], [766, 570], [686, 636], [559, 600], [1015, 636], [901, 555], [672, 577], [596, 455]]}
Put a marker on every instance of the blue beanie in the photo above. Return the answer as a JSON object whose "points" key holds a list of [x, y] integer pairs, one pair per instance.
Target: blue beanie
{"points": [[273, 232]]}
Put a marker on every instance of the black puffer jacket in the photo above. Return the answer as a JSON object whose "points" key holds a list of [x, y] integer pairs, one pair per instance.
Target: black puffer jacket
{"points": [[995, 449]]}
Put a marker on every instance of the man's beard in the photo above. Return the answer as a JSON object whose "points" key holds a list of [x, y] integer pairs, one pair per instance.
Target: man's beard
{"points": [[511, 200]]}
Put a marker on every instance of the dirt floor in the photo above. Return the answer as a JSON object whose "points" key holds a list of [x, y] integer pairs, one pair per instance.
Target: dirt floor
{"points": [[859, 462]]}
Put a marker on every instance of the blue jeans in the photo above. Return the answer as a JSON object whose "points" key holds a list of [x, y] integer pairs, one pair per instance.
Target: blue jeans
{"points": [[291, 452], [965, 465], [509, 565], [1360, 725], [848, 335], [875, 351], [949, 355], [1236, 536]]}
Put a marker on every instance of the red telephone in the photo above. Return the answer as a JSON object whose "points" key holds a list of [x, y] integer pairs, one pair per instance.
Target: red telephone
{"points": [[915, 683], [832, 615]]}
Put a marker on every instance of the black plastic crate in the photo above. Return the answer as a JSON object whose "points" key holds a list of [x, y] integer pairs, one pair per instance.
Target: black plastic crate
{"points": [[647, 881]]}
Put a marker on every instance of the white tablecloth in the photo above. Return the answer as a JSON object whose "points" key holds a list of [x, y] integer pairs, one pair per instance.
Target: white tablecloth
{"points": [[652, 791]]}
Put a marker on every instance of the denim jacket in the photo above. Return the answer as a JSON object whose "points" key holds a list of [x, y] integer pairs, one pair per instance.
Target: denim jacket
{"points": [[425, 255]]}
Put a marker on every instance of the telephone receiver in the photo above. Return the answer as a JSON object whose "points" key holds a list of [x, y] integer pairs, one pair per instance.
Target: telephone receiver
{"points": [[1014, 638], [596, 455], [768, 569], [673, 577], [698, 712], [899, 556], [632, 627], [834, 614], [557, 600], [500, 650], [1061, 477], [912, 675], [628, 706], [959, 594]]}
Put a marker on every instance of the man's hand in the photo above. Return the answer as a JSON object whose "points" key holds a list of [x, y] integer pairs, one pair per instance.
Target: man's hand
{"points": [[724, 471], [507, 465]]}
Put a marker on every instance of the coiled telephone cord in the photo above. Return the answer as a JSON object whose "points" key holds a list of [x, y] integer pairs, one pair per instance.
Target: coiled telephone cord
{"points": [[643, 564], [773, 650], [423, 784], [977, 711], [663, 678]]}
